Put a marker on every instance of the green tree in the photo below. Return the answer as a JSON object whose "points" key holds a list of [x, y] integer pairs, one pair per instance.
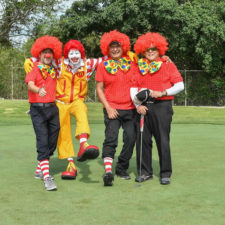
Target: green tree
{"points": [[17, 17], [194, 29]]}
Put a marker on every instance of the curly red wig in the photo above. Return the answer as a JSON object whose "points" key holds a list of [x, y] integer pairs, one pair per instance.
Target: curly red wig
{"points": [[114, 35], [45, 42], [73, 44], [151, 39]]}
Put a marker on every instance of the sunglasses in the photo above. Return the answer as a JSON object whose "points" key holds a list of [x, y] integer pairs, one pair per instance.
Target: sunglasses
{"points": [[151, 49]]}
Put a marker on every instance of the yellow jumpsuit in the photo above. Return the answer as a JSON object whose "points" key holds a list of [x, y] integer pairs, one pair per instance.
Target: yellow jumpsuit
{"points": [[71, 91]]}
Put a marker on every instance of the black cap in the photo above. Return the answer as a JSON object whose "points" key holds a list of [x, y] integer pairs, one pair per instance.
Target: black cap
{"points": [[114, 42]]}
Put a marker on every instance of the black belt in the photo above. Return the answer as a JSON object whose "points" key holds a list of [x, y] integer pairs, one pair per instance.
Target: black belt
{"points": [[43, 105], [157, 101]]}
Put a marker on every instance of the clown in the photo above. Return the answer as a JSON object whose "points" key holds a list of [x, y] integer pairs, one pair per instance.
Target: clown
{"points": [[74, 71], [161, 81], [114, 79], [72, 86], [41, 82]]}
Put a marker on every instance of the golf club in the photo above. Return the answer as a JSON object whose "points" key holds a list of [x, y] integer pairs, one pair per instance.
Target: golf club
{"points": [[141, 130]]}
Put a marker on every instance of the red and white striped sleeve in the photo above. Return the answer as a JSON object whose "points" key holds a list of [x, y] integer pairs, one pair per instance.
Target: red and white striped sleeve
{"points": [[92, 65]]}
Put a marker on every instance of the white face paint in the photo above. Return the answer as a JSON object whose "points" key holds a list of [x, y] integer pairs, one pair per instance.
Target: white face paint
{"points": [[74, 56]]}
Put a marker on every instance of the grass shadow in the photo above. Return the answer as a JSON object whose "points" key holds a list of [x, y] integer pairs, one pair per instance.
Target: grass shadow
{"points": [[132, 166], [59, 165]]}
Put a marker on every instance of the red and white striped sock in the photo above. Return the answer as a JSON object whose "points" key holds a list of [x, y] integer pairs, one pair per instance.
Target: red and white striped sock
{"points": [[70, 159], [38, 169], [83, 138], [45, 168], [108, 164]]}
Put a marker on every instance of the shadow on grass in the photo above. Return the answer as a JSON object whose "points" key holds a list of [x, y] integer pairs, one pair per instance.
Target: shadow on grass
{"points": [[59, 165], [85, 174], [132, 166]]}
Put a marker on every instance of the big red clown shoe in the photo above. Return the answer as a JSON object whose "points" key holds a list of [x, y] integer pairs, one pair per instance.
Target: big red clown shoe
{"points": [[87, 151], [71, 172]]}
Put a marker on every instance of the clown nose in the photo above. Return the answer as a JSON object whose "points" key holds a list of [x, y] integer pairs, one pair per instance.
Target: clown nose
{"points": [[47, 55]]}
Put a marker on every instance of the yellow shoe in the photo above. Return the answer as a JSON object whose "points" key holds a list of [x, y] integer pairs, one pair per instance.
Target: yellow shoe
{"points": [[71, 171]]}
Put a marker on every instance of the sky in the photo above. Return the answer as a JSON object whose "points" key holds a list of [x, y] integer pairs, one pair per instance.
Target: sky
{"points": [[65, 5]]}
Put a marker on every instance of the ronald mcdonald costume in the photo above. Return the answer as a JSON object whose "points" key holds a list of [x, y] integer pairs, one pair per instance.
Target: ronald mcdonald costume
{"points": [[71, 90]]}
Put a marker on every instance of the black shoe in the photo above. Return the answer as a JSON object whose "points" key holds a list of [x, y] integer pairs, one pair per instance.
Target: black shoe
{"points": [[165, 180], [123, 175], [108, 179], [143, 178]]}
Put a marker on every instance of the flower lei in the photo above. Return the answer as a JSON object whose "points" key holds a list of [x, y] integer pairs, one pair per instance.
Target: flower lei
{"points": [[146, 66], [112, 66], [47, 70]]}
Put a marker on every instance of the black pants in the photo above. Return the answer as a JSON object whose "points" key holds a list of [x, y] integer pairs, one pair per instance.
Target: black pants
{"points": [[46, 126], [126, 119], [157, 123]]}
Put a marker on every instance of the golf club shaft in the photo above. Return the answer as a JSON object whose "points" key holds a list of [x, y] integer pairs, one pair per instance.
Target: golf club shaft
{"points": [[141, 131]]}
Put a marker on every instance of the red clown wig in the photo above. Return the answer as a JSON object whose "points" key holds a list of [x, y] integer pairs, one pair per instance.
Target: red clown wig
{"points": [[151, 40], [114, 35], [47, 42], [73, 44]]}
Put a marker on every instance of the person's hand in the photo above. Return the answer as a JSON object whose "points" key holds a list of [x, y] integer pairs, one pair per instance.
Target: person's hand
{"points": [[167, 59], [132, 56], [112, 113], [42, 92], [155, 94], [28, 65], [141, 109]]}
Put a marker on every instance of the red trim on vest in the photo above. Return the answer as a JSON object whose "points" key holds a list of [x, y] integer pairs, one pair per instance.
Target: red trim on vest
{"points": [[72, 88], [80, 90]]}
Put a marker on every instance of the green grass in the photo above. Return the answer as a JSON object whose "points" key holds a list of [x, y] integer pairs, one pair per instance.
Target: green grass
{"points": [[195, 196]]}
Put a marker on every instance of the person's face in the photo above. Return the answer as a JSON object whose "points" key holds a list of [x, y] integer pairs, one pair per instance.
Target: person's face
{"points": [[115, 51], [74, 56], [151, 53], [46, 56]]}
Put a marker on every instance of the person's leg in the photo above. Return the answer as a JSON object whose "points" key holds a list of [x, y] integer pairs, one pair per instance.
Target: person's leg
{"points": [[146, 157], [40, 124], [65, 143], [39, 118], [79, 110], [38, 171], [163, 117], [53, 129], [129, 136], [112, 127]]}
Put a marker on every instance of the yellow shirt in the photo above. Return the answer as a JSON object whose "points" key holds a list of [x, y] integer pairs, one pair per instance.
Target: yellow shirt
{"points": [[72, 86]]}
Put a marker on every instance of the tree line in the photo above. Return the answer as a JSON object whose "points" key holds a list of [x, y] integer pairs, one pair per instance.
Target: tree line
{"points": [[195, 30]]}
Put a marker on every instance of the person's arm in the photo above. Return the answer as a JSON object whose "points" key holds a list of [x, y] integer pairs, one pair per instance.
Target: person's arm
{"points": [[112, 113], [41, 91], [133, 92], [175, 89], [92, 65], [141, 109]]}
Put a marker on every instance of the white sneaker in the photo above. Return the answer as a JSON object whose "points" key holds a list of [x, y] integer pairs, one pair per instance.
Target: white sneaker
{"points": [[49, 184]]}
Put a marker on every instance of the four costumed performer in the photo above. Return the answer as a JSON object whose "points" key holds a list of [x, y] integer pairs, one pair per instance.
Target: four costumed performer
{"points": [[44, 113]]}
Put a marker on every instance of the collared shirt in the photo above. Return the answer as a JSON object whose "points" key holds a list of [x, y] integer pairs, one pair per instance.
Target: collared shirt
{"points": [[163, 79], [49, 83], [117, 86]]}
